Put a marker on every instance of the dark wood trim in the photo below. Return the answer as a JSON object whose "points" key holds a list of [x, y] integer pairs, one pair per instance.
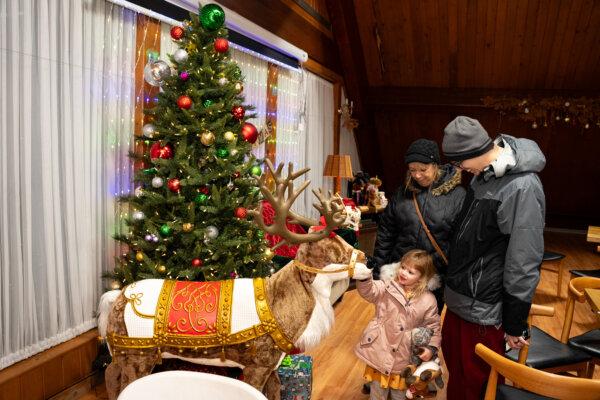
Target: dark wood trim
{"points": [[324, 72], [52, 371], [337, 102], [378, 97], [310, 15]]}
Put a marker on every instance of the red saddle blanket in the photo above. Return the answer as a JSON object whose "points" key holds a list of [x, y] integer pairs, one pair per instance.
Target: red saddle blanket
{"points": [[193, 308]]}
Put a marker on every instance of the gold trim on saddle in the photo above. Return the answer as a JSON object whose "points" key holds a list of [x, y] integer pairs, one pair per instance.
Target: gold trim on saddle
{"points": [[223, 336]]}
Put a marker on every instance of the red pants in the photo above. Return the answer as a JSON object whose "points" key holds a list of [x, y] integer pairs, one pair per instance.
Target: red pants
{"points": [[468, 372]]}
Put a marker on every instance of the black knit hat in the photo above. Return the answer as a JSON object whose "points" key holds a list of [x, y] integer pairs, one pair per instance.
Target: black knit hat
{"points": [[423, 151]]}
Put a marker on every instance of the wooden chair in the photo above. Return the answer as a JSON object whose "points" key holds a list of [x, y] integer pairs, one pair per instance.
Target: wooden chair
{"points": [[536, 310], [588, 342], [549, 354], [534, 384], [552, 261]]}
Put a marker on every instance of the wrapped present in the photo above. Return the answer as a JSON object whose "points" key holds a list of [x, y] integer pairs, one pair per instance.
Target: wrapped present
{"points": [[295, 374]]}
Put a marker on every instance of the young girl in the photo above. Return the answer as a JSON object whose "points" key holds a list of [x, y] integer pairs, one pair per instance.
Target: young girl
{"points": [[401, 304]]}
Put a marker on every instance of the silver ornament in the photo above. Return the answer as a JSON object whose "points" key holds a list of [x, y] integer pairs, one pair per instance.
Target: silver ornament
{"points": [[272, 271], [233, 152], [211, 232], [138, 216], [223, 81], [230, 185], [180, 56], [157, 182], [148, 131], [155, 72], [138, 191]]}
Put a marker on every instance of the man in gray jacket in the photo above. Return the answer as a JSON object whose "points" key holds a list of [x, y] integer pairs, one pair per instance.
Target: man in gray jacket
{"points": [[495, 251]]}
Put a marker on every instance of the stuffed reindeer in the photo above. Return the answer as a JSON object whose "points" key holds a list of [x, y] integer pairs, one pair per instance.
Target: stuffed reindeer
{"points": [[245, 323]]}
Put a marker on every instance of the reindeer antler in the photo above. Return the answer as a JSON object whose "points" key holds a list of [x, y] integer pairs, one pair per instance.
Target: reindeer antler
{"points": [[331, 208]]}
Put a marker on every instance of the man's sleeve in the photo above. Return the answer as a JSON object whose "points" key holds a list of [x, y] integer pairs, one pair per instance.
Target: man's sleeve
{"points": [[387, 234], [521, 215]]}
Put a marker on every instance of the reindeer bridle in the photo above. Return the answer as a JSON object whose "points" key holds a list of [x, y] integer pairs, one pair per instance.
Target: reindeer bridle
{"points": [[350, 267]]}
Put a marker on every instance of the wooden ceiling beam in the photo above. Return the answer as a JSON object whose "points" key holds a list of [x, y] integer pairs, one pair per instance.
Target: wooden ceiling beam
{"points": [[346, 36]]}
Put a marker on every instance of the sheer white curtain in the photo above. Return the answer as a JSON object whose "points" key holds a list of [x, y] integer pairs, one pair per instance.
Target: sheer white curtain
{"points": [[65, 126], [291, 136], [319, 137], [348, 146]]}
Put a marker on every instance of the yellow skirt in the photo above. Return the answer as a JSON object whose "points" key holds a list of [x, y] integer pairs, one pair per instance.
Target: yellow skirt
{"points": [[393, 381]]}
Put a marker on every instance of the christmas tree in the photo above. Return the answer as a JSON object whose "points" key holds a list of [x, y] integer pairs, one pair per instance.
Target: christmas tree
{"points": [[188, 217]]}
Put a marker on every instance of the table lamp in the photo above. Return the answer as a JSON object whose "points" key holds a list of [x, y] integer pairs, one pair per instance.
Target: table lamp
{"points": [[338, 166]]}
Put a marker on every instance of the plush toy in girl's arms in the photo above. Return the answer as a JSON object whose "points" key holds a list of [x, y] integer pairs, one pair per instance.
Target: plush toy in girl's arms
{"points": [[420, 376]]}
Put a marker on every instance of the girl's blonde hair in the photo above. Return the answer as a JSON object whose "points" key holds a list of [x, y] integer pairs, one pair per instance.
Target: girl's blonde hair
{"points": [[422, 262]]}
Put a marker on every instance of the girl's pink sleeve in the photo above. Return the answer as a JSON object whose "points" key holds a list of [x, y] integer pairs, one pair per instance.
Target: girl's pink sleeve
{"points": [[370, 289], [431, 319]]}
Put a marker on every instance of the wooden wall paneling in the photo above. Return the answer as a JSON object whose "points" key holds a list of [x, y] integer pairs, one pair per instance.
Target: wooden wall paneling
{"points": [[555, 49], [470, 52], [317, 5], [503, 78], [438, 70], [487, 67], [337, 102], [514, 65], [381, 63], [53, 377], [297, 6], [567, 77], [452, 43], [526, 49], [277, 17], [498, 62], [585, 70], [542, 63], [32, 387], [534, 46], [479, 40], [421, 51], [343, 20], [462, 43], [10, 390], [404, 64], [573, 25]]}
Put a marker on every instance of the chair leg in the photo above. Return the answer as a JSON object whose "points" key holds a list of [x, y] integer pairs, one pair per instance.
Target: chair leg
{"points": [[560, 274]]}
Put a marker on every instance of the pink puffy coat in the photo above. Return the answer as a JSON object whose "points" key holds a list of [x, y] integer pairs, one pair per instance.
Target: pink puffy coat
{"points": [[386, 342]]}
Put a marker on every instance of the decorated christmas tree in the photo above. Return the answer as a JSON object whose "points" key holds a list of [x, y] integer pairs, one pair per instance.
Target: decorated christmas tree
{"points": [[188, 218]]}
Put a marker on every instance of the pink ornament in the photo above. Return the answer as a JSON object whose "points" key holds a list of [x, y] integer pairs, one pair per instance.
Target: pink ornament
{"points": [[232, 275], [184, 75]]}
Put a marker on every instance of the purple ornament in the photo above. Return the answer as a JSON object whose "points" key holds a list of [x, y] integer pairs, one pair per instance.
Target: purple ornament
{"points": [[232, 274], [184, 75], [148, 238], [155, 238]]}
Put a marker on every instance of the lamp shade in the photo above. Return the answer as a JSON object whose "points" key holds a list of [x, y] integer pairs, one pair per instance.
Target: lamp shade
{"points": [[338, 166]]}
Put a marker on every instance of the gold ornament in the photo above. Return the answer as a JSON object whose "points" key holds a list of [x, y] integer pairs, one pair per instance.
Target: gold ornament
{"points": [[269, 253], [207, 138], [139, 256], [191, 47], [161, 269], [187, 227], [229, 136], [239, 87], [115, 285]]}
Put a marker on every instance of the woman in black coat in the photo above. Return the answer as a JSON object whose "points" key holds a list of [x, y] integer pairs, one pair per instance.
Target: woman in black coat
{"points": [[439, 195]]}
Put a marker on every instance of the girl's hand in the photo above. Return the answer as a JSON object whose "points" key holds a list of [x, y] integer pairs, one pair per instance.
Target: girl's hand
{"points": [[426, 353]]}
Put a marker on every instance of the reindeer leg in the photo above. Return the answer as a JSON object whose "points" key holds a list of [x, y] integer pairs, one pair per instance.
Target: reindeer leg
{"points": [[257, 376], [112, 378], [273, 387], [135, 366]]}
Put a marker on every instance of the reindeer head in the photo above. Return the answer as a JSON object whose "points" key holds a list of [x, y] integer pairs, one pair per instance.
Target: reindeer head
{"points": [[319, 247]]}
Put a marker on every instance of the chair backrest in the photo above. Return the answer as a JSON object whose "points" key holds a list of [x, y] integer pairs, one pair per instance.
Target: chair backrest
{"points": [[576, 287], [536, 310], [536, 381], [185, 385]]}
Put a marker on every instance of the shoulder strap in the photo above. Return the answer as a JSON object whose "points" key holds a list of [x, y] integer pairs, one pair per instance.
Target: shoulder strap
{"points": [[429, 235]]}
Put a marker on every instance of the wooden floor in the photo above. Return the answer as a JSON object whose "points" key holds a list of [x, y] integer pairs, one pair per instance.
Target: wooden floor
{"points": [[337, 372]]}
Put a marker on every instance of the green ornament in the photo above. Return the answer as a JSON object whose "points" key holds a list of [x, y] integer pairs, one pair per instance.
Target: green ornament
{"points": [[256, 171], [222, 152], [150, 171], [201, 198], [207, 103], [237, 73], [212, 17], [165, 230], [260, 234]]}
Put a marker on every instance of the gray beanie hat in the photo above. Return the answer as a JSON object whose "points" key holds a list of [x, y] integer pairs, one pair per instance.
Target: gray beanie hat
{"points": [[465, 138]]}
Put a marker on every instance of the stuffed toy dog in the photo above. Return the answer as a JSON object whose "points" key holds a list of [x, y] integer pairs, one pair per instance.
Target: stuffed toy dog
{"points": [[419, 375]]}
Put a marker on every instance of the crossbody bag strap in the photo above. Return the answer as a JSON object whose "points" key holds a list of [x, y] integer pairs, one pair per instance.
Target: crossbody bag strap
{"points": [[429, 235]]}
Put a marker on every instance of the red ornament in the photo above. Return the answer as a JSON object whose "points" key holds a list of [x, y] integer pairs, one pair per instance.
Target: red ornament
{"points": [[238, 112], [177, 32], [204, 189], [236, 174], [158, 151], [184, 102], [221, 45], [196, 262], [249, 132], [174, 185], [240, 213]]}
